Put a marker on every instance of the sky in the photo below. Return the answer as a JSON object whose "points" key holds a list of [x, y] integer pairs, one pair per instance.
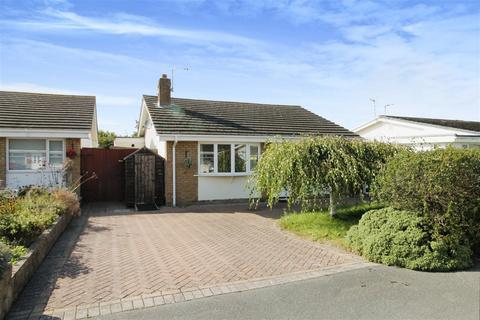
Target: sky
{"points": [[420, 57]]}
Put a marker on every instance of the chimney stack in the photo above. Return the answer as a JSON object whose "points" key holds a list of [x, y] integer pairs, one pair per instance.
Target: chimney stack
{"points": [[164, 91]]}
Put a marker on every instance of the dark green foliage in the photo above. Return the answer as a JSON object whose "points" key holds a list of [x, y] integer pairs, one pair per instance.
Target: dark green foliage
{"points": [[355, 212], [404, 238], [442, 185]]}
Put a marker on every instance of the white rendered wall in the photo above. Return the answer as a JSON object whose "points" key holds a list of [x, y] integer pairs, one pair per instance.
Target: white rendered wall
{"points": [[87, 143], [421, 137], [222, 188], [153, 142], [44, 177], [129, 142]]}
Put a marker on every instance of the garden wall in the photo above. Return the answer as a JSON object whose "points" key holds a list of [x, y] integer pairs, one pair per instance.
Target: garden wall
{"points": [[14, 279]]}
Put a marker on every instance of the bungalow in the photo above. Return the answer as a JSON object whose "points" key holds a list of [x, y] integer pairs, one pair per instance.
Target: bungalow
{"points": [[422, 133], [38, 131], [211, 147]]}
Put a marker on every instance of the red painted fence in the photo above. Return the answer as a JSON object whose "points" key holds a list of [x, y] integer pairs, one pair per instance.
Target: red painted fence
{"points": [[106, 164]]}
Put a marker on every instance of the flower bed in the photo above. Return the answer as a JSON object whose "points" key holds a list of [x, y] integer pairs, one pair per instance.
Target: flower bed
{"points": [[30, 223]]}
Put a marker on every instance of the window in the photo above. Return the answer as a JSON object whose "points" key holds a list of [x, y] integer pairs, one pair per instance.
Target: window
{"points": [[223, 158], [207, 156], [34, 154], [240, 158], [55, 153], [253, 157]]}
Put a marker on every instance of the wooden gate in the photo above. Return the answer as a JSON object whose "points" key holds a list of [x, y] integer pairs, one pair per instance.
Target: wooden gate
{"points": [[108, 167]]}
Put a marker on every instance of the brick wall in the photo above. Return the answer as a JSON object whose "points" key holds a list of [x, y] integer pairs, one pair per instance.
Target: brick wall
{"points": [[186, 179], [3, 162], [74, 173]]}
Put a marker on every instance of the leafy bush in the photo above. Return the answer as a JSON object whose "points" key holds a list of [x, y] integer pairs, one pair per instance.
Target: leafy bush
{"points": [[17, 253], [5, 256], [442, 185], [24, 218], [403, 238]]}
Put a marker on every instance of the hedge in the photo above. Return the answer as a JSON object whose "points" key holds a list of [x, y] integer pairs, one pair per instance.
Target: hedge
{"points": [[442, 185]]}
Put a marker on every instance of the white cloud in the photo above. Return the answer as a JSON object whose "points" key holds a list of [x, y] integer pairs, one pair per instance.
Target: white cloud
{"points": [[123, 24]]}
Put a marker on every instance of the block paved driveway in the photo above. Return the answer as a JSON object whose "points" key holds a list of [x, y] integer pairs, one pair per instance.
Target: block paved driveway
{"points": [[120, 254]]}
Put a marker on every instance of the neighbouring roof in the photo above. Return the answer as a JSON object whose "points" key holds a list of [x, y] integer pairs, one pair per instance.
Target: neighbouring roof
{"points": [[457, 124], [206, 117], [46, 111]]}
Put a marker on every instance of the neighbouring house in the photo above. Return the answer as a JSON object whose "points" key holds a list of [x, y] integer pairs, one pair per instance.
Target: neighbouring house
{"points": [[211, 147], [422, 133], [38, 132], [129, 142]]}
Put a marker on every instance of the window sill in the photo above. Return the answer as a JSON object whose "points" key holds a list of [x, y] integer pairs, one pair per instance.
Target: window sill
{"points": [[240, 174]]}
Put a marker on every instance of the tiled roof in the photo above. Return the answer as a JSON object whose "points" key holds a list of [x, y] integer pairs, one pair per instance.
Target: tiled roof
{"points": [[46, 111], [457, 124], [206, 117]]}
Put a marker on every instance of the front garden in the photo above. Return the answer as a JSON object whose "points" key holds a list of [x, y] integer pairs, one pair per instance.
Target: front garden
{"points": [[25, 214], [422, 212]]}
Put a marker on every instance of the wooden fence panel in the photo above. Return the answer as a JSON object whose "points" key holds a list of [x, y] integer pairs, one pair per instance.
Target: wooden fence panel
{"points": [[106, 164]]}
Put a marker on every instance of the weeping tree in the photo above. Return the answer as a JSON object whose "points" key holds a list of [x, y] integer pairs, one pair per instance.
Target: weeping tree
{"points": [[313, 167]]}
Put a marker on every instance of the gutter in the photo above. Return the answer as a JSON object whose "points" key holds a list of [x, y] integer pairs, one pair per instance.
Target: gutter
{"points": [[174, 175]]}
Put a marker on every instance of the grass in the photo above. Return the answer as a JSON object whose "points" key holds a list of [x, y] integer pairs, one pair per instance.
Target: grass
{"points": [[319, 226]]}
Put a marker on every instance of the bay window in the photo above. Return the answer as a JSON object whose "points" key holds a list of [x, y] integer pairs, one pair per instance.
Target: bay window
{"points": [[34, 154], [228, 158]]}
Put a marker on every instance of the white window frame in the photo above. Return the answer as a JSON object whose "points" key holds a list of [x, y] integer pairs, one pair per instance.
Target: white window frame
{"points": [[232, 159], [47, 150], [200, 152]]}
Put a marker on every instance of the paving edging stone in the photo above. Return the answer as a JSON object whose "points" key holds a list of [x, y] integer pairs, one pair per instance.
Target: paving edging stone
{"points": [[21, 272], [177, 296]]}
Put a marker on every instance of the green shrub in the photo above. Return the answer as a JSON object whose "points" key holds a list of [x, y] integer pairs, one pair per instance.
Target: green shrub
{"points": [[17, 253], [24, 218], [403, 238], [5, 256], [442, 185]]}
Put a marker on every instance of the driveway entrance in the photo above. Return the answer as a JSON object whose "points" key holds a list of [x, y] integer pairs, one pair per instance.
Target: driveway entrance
{"points": [[122, 255]]}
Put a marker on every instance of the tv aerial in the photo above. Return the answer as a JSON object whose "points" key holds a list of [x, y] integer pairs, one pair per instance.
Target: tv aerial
{"points": [[174, 69]]}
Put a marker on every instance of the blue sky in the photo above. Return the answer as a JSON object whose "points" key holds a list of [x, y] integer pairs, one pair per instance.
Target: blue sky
{"points": [[329, 56]]}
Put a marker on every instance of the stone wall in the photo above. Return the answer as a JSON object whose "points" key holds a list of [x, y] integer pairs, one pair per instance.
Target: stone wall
{"points": [[186, 173], [3, 162], [74, 173]]}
